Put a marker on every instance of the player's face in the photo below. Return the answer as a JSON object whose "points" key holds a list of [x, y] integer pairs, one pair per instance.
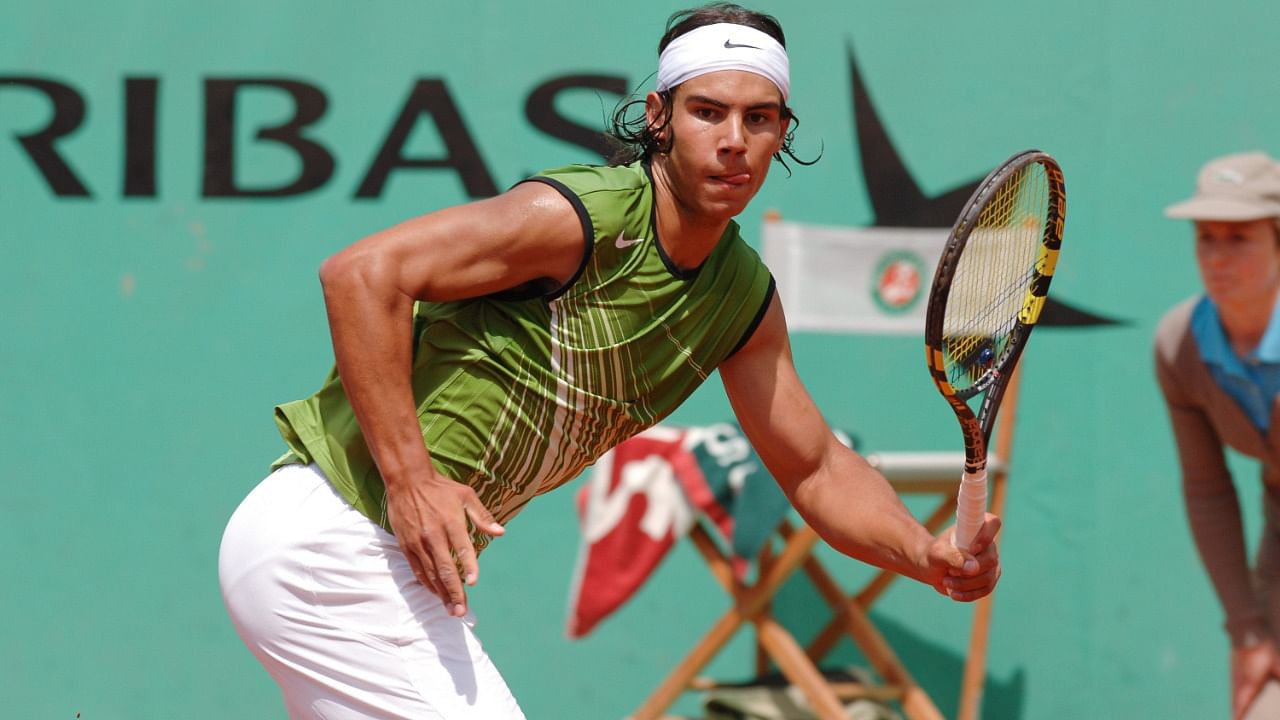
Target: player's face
{"points": [[1239, 261], [725, 128]]}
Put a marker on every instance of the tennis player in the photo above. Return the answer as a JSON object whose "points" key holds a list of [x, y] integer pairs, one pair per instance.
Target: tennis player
{"points": [[488, 353], [1218, 363]]}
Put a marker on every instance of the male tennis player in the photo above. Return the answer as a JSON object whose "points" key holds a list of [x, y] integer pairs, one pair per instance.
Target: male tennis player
{"points": [[1218, 363], [490, 352]]}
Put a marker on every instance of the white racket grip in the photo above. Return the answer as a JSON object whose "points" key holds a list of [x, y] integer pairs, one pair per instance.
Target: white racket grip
{"points": [[971, 508]]}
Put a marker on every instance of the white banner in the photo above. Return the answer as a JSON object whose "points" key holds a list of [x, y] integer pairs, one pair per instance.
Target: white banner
{"points": [[855, 280]]}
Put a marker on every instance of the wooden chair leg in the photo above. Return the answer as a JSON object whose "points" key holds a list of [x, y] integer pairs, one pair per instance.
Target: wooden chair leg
{"points": [[748, 603], [701, 654], [800, 665], [975, 667], [915, 702], [797, 668], [762, 652], [826, 640]]}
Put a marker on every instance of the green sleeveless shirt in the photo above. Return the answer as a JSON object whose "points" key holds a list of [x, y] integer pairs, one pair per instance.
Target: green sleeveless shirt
{"points": [[518, 395]]}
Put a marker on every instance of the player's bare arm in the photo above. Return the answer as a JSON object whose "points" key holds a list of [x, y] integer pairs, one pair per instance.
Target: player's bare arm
{"points": [[846, 501], [529, 234]]}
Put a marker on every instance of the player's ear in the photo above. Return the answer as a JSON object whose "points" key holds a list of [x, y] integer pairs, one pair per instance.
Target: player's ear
{"points": [[654, 113]]}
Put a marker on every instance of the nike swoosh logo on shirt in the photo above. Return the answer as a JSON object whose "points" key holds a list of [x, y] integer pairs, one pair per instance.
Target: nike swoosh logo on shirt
{"points": [[729, 45], [622, 242]]}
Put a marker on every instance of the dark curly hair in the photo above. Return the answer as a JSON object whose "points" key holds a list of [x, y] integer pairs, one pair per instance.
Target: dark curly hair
{"points": [[634, 138]]}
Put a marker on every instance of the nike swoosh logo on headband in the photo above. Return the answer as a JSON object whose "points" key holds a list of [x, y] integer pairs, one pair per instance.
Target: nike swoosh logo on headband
{"points": [[729, 45]]}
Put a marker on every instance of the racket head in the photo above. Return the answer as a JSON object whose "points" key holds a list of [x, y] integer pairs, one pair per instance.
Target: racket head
{"points": [[993, 277]]}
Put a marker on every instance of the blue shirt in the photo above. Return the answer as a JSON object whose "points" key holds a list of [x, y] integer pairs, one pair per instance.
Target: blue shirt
{"points": [[1252, 381]]}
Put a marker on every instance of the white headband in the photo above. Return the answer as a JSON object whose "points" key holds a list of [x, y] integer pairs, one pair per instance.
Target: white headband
{"points": [[724, 46]]}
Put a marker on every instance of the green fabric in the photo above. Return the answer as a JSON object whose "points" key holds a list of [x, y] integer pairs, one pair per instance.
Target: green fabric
{"points": [[518, 396]]}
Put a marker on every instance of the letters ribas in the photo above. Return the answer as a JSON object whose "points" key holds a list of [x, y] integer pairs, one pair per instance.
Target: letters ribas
{"points": [[223, 123]]}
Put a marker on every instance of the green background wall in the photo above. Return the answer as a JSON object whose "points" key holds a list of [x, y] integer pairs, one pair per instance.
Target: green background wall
{"points": [[143, 340]]}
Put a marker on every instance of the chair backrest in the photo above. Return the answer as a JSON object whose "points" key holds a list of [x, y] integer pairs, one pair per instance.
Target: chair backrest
{"points": [[872, 280]]}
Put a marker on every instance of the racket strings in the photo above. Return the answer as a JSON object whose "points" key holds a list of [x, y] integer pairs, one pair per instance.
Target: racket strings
{"points": [[990, 316], [993, 277]]}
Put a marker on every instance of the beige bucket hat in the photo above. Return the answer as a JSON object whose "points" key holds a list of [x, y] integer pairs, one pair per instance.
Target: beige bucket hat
{"points": [[1235, 188]]}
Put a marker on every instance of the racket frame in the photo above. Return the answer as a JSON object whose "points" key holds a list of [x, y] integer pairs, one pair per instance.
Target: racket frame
{"points": [[976, 427]]}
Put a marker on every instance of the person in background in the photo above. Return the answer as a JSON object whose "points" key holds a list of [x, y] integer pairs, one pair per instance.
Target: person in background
{"points": [[1217, 358]]}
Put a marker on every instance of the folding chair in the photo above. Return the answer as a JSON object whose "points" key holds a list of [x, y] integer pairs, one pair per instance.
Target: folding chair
{"points": [[927, 473]]}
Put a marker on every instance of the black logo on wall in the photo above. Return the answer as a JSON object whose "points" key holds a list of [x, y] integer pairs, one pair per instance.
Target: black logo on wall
{"points": [[428, 100]]}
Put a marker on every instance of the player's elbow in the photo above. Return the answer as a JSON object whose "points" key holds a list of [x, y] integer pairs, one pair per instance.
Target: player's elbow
{"points": [[357, 264], [350, 273], [335, 269]]}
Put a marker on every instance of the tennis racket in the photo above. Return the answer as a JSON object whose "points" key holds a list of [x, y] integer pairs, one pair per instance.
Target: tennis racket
{"points": [[988, 291]]}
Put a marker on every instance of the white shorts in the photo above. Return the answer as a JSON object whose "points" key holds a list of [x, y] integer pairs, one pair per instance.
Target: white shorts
{"points": [[327, 602]]}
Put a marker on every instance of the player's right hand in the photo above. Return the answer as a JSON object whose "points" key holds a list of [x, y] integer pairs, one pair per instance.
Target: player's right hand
{"points": [[428, 514], [962, 575]]}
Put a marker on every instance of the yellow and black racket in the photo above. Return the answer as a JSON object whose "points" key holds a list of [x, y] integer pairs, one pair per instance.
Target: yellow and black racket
{"points": [[988, 291]]}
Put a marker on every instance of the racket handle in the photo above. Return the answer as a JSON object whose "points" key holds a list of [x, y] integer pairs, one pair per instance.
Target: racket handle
{"points": [[971, 508]]}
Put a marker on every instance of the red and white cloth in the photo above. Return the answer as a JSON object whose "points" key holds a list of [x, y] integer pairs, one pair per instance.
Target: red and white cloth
{"points": [[646, 493]]}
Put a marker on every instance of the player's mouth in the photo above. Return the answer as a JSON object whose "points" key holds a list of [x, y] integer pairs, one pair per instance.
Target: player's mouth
{"points": [[733, 179]]}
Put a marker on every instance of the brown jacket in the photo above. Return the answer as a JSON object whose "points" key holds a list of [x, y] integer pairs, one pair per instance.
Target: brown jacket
{"points": [[1205, 420]]}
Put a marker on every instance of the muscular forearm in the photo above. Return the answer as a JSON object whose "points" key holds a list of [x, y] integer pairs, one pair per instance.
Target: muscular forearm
{"points": [[855, 510], [371, 326], [371, 323], [847, 502]]}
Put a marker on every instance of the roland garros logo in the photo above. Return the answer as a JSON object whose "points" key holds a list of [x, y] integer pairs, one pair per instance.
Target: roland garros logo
{"points": [[898, 281]]}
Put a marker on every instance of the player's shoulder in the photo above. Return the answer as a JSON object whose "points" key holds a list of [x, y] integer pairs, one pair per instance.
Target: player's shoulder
{"points": [[585, 179]]}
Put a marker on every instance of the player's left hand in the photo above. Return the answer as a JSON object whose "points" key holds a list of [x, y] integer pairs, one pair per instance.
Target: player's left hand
{"points": [[966, 576]]}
